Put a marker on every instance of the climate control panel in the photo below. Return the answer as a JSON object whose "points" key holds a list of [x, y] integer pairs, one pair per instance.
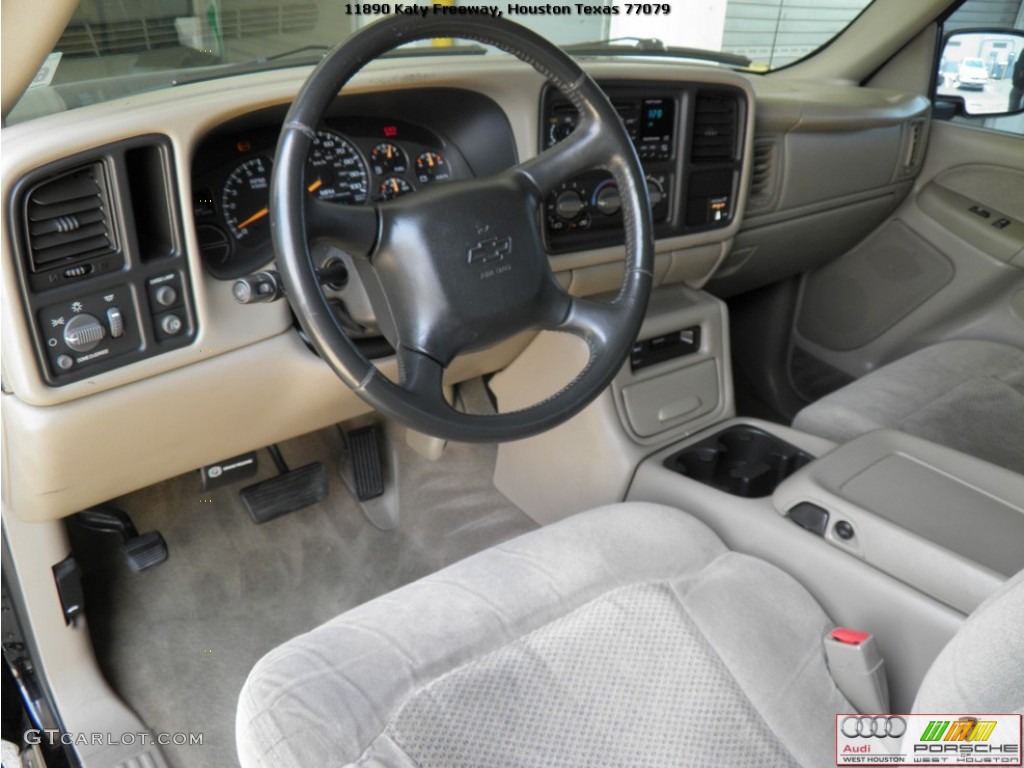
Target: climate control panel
{"points": [[592, 202]]}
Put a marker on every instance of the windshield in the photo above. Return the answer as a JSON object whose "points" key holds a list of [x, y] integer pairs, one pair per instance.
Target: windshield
{"points": [[111, 48]]}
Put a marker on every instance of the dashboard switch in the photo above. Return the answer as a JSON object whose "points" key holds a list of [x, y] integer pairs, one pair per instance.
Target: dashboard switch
{"points": [[165, 296], [258, 288], [171, 325], [116, 322], [83, 332]]}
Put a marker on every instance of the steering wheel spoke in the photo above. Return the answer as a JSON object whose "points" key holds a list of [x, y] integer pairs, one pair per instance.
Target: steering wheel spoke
{"points": [[352, 228], [593, 321], [422, 376]]}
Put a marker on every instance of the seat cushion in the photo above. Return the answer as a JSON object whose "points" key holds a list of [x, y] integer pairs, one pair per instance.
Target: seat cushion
{"points": [[982, 668], [624, 635], [967, 395]]}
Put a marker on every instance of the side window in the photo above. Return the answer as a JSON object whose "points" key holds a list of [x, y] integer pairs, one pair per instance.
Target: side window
{"points": [[981, 66]]}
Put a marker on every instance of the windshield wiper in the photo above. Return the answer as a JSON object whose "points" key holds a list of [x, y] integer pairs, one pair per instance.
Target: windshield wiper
{"points": [[263, 63], [652, 46]]}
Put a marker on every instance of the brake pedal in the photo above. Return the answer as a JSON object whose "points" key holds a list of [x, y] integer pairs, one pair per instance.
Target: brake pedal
{"points": [[290, 491], [141, 552]]}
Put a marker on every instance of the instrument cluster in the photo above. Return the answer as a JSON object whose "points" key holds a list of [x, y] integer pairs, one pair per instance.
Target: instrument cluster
{"points": [[352, 161]]}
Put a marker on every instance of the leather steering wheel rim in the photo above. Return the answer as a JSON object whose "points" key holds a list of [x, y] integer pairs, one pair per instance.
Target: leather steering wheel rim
{"points": [[433, 297]]}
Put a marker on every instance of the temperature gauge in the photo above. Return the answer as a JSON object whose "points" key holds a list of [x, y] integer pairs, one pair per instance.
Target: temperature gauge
{"points": [[431, 166]]}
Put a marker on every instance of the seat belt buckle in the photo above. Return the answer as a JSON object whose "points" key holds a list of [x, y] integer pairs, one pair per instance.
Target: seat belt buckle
{"points": [[858, 669]]}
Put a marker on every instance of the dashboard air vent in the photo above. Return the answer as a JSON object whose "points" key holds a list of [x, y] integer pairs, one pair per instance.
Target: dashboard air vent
{"points": [[714, 128], [67, 219], [762, 173]]}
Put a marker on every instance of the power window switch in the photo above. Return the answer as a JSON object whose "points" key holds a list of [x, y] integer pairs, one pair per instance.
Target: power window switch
{"points": [[116, 322], [1001, 223]]}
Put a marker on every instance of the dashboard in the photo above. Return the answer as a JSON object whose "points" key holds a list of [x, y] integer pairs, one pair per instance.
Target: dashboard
{"points": [[177, 180]]}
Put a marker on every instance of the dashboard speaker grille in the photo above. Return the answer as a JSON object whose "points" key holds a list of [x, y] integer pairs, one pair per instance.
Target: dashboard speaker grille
{"points": [[67, 219], [714, 127]]}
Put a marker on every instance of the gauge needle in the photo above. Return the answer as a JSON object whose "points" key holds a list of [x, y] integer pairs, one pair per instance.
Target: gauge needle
{"points": [[430, 160], [264, 211], [254, 218]]}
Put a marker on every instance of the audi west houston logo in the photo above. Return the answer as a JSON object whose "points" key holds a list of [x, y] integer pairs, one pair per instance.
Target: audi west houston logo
{"points": [[928, 739]]}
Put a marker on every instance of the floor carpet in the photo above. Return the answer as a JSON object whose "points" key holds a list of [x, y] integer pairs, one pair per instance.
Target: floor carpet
{"points": [[178, 641]]}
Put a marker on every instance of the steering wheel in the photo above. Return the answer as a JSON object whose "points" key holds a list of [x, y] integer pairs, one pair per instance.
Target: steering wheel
{"points": [[460, 266]]}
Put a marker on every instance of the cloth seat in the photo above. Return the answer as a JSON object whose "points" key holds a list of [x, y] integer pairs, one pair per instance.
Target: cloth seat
{"points": [[618, 636], [964, 394], [626, 635]]}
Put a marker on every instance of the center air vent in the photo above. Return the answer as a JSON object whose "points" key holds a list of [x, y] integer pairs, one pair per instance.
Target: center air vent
{"points": [[67, 219], [714, 128]]}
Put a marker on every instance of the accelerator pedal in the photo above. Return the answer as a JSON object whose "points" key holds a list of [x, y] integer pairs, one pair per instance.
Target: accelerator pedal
{"points": [[140, 552], [369, 469], [290, 491]]}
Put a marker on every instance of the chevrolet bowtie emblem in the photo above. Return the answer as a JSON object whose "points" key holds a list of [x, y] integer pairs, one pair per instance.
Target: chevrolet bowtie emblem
{"points": [[486, 251]]}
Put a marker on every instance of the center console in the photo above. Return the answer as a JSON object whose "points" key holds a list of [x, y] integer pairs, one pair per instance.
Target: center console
{"points": [[947, 524], [892, 534]]}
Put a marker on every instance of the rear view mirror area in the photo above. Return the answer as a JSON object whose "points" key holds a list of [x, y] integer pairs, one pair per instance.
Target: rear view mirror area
{"points": [[982, 71]]}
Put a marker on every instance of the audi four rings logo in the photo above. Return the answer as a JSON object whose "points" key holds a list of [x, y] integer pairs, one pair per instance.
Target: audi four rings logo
{"points": [[868, 727]]}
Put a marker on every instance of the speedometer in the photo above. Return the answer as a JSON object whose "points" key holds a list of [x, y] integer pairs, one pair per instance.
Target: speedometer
{"points": [[336, 171]]}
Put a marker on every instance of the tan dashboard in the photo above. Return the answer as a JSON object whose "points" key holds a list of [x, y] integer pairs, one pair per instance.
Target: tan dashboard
{"points": [[241, 378]]}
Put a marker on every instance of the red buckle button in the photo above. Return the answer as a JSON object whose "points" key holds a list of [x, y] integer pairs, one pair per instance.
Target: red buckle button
{"points": [[850, 636]]}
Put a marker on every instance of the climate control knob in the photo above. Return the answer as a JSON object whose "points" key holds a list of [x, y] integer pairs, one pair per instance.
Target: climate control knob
{"points": [[569, 204], [655, 191], [608, 200], [83, 332]]}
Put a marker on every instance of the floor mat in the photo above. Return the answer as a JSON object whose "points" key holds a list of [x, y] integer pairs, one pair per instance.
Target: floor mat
{"points": [[178, 641]]}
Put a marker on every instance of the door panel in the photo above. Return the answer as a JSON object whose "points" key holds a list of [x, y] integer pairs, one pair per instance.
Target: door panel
{"points": [[948, 263]]}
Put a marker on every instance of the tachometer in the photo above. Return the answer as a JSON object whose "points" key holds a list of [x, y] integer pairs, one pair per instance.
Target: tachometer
{"points": [[336, 171], [244, 201]]}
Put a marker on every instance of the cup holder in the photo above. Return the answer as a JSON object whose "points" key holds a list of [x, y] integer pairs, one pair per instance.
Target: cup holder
{"points": [[741, 460]]}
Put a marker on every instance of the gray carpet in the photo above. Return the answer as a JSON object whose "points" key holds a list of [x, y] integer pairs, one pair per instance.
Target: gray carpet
{"points": [[177, 642]]}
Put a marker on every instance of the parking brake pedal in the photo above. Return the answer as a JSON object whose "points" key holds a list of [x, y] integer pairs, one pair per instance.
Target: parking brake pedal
{"points": [[291, 490], [141, 552]]}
